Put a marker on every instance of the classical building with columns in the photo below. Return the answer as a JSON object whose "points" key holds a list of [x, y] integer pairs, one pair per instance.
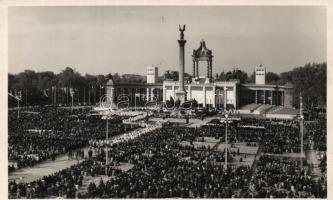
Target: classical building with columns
{"points": [[201, 87], [135, 93]]}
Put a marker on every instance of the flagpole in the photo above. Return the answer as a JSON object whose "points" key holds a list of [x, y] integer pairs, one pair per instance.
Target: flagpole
{"points": [[226, 142], [26, 97], [135, 102], [18, 109], [106, 145]]}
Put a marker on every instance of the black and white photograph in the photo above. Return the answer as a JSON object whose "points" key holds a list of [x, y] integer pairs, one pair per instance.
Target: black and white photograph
{"points": [[166, 101]]}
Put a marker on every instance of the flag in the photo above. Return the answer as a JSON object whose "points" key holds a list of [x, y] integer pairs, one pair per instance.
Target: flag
{"points": [[71, 91]]}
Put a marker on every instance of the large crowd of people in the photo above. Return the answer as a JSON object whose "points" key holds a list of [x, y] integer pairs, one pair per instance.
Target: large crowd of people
{"points": [[161, 165], [44, 133], [283, 178], [316, 134], [160, 170]]}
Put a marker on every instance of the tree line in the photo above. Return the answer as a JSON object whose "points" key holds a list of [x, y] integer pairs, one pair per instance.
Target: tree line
{"points": [[69, 86]]}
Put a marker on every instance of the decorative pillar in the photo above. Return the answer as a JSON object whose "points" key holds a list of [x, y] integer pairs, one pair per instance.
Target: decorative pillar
{"points": [[147, 97], [235, 97], [164, 94], [197, 68], [271, 97], [158, 94], [181, 93], [214, 97], [225, 98], [264, 97], [204, 92], [112, 95], [152, 94], [174, 92], [282, 95]]}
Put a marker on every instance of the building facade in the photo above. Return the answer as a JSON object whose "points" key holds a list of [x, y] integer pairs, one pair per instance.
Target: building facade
{"points": [[152, 74], [202, 88]]}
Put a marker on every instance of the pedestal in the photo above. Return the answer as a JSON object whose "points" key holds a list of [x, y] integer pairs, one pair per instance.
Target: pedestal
{"points": [[181, 95]]}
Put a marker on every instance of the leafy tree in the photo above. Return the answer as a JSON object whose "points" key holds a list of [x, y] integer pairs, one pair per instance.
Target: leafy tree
{"points": [[251, 78], [272, 77]]}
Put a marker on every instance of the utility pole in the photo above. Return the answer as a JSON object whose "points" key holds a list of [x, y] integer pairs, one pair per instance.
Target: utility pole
{"points": [[301, 124], [89, 95], [26, 97], [106, 145], [135, 101], [72, 95], [226, 141], [18, 109], [94, 95], [84, 96]]}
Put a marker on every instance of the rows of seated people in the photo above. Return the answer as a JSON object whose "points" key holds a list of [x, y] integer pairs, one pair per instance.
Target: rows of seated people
{"points": [[274, 138], [158, 171], [162, 168], [49, 132], [284, 178], [316, 133]]}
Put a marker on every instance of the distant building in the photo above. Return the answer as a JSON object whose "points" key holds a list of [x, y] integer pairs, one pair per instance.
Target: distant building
{"points": [[207, 92], [260, 75], [152, 74], [202, 88]]}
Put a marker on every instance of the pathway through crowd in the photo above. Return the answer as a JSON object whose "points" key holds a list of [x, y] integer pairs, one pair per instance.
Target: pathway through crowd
{"points": [[40, 170], [29, 174]]}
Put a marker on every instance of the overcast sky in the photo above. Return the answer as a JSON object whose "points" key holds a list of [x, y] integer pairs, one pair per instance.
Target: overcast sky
{"points": [[100, 40]]}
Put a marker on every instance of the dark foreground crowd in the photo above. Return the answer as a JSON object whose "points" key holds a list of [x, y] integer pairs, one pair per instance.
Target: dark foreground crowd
{"points": [[284, 178], [163, 168], [45, 133]]}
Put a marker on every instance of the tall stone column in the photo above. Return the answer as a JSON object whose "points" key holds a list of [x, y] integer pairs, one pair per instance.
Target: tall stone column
{"points": [[152, 94], [214, 98], [147, 97], [164, 94], [225, 98], [197, 68], [204, 96], [181, 93], [264, 97], [112, 95]]}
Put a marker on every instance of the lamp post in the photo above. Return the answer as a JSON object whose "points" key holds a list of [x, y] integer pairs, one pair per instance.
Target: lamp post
{"points": [[226, 142], [106, 145], [106, 117], [301, 124], [18, 109]]}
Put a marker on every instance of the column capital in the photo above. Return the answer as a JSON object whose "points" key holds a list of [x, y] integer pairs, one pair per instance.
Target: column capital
{"points": [[181, 42]]}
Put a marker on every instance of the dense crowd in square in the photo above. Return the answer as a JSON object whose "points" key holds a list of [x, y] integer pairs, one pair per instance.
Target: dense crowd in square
{"points": [[163, 167], [44, 133]]}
